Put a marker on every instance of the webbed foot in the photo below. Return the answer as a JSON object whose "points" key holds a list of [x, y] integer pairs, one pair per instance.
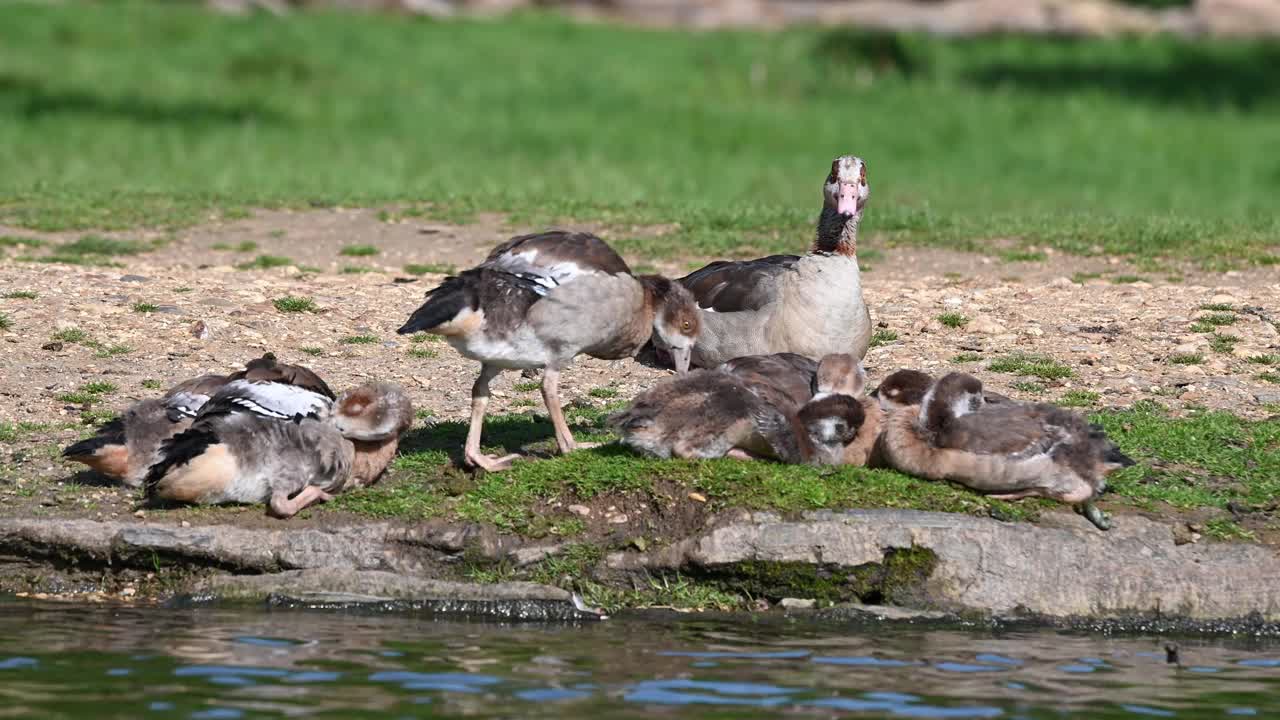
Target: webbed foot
{"points": [[1093, 514], [490, 463]]}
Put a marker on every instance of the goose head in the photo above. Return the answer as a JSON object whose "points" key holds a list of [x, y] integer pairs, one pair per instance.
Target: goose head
{"points": [[676, 320], [842, 374], [373, 412], [846, 190], [830, 423], [954, 395], [903, 388]]}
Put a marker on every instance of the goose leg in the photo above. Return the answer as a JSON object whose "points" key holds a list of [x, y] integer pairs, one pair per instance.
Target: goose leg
{"points": [[479, 402], [551, 396], [282, 506]]}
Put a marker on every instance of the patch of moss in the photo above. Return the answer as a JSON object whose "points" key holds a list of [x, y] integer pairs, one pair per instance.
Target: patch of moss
{"points": [[359, 340], [264, 262], [1079, 398], [19, 295], [953, 319], [359, 251], [293, 304], [429, 268], [966, 357]]}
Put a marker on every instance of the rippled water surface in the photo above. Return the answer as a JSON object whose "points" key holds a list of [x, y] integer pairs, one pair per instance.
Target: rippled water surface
{"points": [[95, 662]]}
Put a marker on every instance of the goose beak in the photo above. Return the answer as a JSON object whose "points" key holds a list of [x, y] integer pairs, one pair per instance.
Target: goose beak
{"points": [[681, 357], [847, 199]]}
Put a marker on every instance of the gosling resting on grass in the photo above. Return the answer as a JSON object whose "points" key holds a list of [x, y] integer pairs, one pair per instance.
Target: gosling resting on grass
{"points": [[1008, 450]]}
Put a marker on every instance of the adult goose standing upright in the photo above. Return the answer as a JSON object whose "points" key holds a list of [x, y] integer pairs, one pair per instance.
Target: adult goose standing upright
{"points": [[540, 300], [809, 305], [1008, 450]]}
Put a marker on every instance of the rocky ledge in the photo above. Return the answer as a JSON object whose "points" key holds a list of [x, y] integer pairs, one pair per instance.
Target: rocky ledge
{"points": [[919, 564]]}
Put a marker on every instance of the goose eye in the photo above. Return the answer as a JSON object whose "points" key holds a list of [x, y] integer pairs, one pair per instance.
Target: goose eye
{"points": [[685, 326]]}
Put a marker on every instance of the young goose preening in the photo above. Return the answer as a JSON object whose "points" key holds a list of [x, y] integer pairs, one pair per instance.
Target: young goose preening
{"points": [[279, 439], [123, 448], [809, 305], [540, 300], [1008, 450]]}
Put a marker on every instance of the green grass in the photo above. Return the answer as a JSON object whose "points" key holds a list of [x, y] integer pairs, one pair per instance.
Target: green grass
{"points": [[243, 246], [1204, 459], [1265, 359], [432, 268], [1040, 366], [359, 251], [1226, 529], [1079, 398], [87, 394], [20, 295], [605, 393], [71, 335], [6, 322], [882, 337], [1079, 146], [1127, 279], [967, 357], [1023, 256], [1222, 343], [17, 241], [264, 262], [1270, 377], [359, 340], [293, 304], [1209, 323], [312, 351], [953, 319], [1081, 278], [1186, 358], [355, 270], [142, 307], [526, 386], [422, 353], [152, 384], [1027, 386], [1217, 307]]}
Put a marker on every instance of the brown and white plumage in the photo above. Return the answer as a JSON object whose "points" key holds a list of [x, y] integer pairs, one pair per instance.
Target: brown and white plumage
{"points": [[539, 301], [276, 435], [751, 407], [809, 305], [123, 448], [1009, 450]]}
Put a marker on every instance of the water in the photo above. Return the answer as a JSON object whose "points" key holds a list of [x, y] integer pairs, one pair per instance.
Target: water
{"points": [[73, 661]]}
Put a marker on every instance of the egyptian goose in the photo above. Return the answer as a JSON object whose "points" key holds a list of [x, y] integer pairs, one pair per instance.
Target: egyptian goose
{"points": [[539, 301], [907, 388], [752, 407], [809, 305], [123, 448], [1008, 450], [842, 376], [276, 436]]}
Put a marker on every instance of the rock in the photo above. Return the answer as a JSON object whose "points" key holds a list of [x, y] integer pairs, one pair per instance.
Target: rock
{"points": [[697, 497], [1184, 535], [798, 604], [1267, 397], [619, 519], [140, 514], [1239, 17], [55, 346], [128, 592], [1189, 348], [134, 278], [528, 555], [581, 510], [1223, 299], [985, 326]]}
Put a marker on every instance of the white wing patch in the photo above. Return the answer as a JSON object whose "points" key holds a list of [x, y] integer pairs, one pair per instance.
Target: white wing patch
{"points": [[524, 264], [186, 404], [277, 400]]}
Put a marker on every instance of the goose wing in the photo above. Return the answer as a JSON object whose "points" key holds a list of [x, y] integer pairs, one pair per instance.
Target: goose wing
{"points": [[554, 258], [268, 400], [736, 286], [1007, 429]]}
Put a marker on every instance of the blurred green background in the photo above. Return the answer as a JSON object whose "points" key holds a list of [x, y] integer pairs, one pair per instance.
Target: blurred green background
{"points": [[123, 114]]}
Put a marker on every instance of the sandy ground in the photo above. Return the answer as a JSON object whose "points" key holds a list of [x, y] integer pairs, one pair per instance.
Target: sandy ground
{"points": [[211, 317]]}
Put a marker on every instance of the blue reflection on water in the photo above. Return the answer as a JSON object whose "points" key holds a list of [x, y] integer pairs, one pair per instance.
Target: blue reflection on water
{"points": [[1144, 710], [697, 692], [17, 663], [551, 694], [863, 660], [968, 667], [781, 655], [451, 682]]}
